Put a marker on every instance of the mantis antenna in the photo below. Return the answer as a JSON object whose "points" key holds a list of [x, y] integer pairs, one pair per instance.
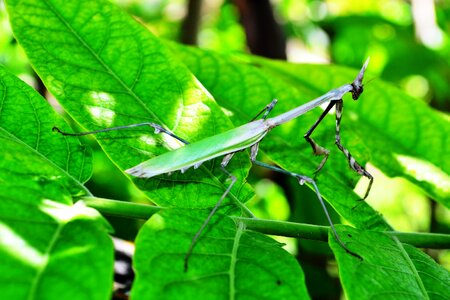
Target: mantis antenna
{"points": [[248, 136]]}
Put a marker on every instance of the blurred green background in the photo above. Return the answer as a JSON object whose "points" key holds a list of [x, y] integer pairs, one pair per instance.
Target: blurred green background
{"points": [[409, 46]]}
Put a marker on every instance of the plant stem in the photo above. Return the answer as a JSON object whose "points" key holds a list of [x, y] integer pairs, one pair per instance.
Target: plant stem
{"points": [[281, 228], [318, 232], [121, 208]]}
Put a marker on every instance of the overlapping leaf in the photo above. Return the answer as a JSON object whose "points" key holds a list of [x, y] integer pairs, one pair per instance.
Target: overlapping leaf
{"points": [[228, 261], [388, 269], [108, 70], [45, 241]]}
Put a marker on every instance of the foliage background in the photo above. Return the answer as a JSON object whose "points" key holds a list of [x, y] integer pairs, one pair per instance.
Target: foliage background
{"points": [[338, 31]]}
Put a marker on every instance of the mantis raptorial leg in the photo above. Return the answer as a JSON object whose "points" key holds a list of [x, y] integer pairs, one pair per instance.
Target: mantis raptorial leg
{"points": [[317, 149], [351, 161]]}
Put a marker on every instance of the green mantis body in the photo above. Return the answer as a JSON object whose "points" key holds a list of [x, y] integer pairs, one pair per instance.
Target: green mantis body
{"points": [[248, 136], [234, 140], [193, 155]]}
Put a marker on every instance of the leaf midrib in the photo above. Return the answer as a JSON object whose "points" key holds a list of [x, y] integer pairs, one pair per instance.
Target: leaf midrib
{"points": [[412, 267], [232, 283], [44, 264]]}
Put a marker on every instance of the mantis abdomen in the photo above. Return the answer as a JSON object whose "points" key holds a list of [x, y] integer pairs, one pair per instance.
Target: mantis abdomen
{"points": [[193, 155]]}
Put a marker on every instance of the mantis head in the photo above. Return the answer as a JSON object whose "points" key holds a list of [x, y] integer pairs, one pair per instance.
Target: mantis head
{"points": [[357, 83]]}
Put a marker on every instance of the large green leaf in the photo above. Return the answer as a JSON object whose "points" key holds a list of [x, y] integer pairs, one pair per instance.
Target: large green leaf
{"points": [[388, 269], [401, 135], [108, 70], [243, 88], [228, 262], [49, 248]]}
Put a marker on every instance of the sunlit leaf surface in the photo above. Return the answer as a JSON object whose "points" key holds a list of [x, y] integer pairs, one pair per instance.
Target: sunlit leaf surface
{"points": [[228, 262], [49, 248], [388, 269]]}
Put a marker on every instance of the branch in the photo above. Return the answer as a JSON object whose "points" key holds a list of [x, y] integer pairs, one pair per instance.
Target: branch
{"points": [[265, 36], [121, 208], [191, 23], [281, 228]]}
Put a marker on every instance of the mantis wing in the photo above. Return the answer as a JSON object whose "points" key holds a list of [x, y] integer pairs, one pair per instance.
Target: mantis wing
{"points": [[193, 155]]}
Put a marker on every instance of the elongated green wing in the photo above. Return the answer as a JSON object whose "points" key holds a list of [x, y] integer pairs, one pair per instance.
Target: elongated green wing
{"points": [[193, 155]]}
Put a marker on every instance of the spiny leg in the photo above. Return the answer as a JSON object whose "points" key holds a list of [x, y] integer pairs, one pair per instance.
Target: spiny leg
{"points": [[317, 149], [301, 180], [158, 129], [194, 240], [351, 161]]}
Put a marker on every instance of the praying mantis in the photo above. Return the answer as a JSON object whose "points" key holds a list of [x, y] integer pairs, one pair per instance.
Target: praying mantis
{"points": [[248, 136]]}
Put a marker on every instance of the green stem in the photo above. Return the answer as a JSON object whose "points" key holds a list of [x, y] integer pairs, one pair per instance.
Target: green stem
{"points": [[121, 208], [317, 232], [281, 228]]}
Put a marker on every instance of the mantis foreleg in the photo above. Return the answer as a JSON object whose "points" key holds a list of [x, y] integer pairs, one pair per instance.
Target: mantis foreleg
{"points": [[317, 149], [351, 161]]}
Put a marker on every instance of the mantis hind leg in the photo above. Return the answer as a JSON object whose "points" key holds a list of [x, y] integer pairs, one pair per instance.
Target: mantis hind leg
{"points": [[317, 149], [351, 161], [194, 240], [301, 180], [158, 129]]}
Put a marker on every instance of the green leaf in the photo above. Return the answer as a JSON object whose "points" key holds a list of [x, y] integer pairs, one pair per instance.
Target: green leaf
{"points": [[26, 121], [388, 269], [243, 87], [49, 248], [228, 262], [107, 70]]}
